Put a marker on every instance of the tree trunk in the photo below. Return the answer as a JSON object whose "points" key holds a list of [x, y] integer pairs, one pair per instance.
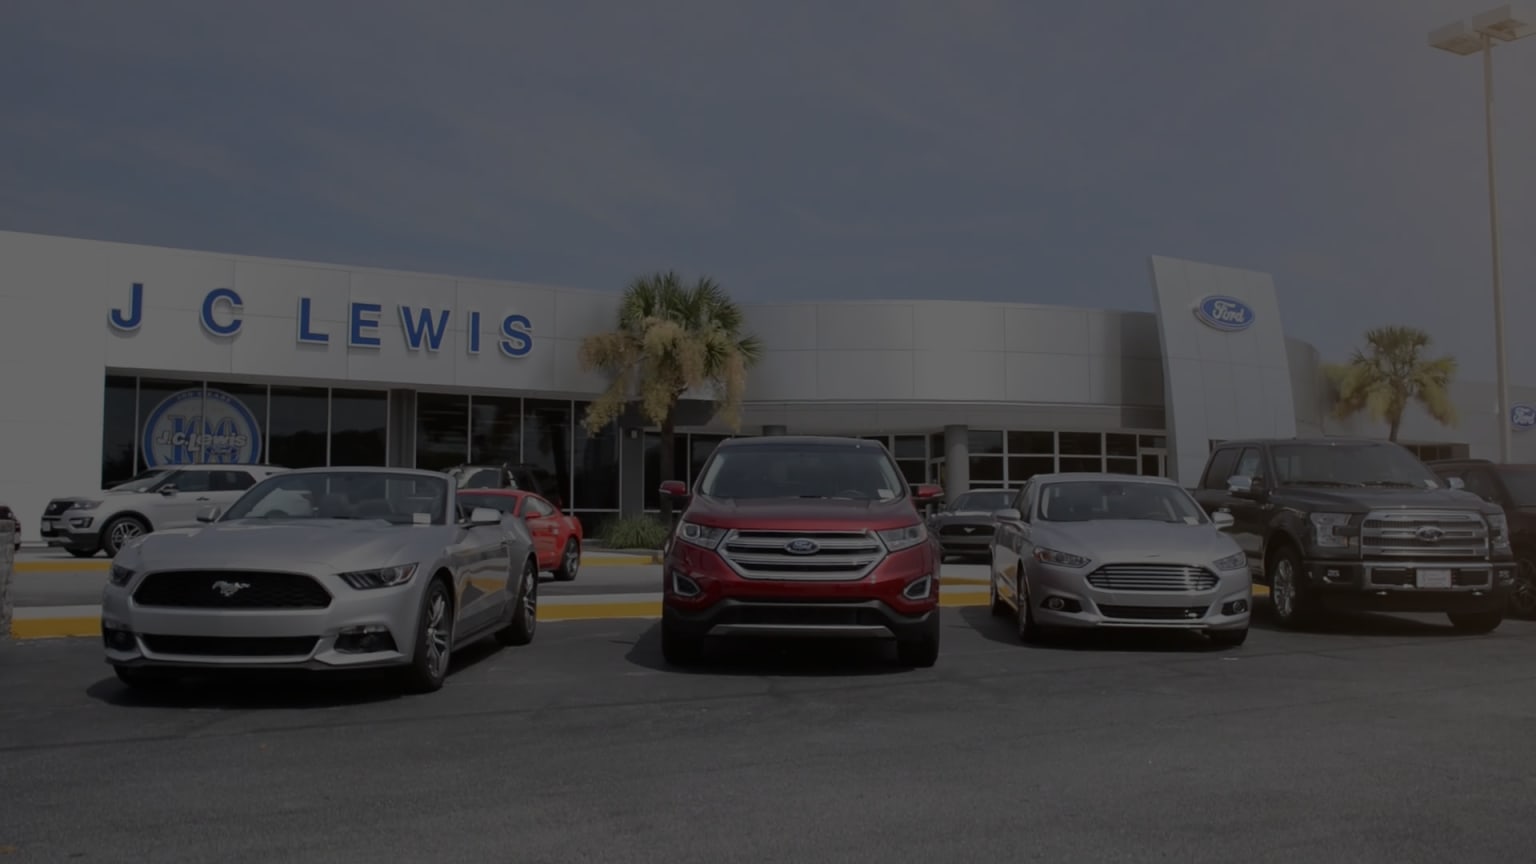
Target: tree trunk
{"points": [[1396, 423], [668, 463]]}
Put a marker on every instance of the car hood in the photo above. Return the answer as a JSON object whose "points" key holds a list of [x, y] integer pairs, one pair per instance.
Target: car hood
{"points": [[1132, 540], [802, 514], [964, 516], [1361, 499], [336, 545]]}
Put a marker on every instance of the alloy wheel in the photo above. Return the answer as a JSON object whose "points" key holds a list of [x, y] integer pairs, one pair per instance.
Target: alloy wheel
{"points": [[1282, 590], [1523, 601], [572, 559], [124, 531], [531, 595], [439, 635]]}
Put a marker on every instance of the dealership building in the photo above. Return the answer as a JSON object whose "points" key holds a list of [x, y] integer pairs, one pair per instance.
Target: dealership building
{"points": [[119, 358]]}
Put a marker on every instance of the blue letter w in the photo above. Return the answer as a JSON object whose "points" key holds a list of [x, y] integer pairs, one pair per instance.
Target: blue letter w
{"points": [[422, 323]]}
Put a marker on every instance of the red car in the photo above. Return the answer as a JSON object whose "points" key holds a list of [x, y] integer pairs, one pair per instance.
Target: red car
{"points": [[6, 513], [788, 536], [556, 536]]}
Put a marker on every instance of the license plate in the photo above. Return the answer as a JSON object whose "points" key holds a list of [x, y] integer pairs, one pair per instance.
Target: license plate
{"points": [[1434, 578]]}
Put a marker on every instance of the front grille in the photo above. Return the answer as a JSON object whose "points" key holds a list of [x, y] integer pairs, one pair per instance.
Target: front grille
{"points": [[800, 613], [57, 506], [231, 589], [1407, 577], [230, 646], [965, 531], [834, 555], [1154, 613], [1423, 534], [1152, 577]]}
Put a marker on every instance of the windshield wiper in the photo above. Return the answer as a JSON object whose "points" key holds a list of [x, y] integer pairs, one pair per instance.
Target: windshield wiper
{"points": [[1395, 484], [1341, 483]]}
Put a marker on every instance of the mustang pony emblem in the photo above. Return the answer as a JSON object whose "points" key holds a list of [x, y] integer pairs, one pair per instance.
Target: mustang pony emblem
{"points": [[230, 589]]}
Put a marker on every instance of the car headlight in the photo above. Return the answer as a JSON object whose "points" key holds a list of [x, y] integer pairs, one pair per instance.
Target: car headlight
{"points": [[120, 575], [705, 536], [382, 577], [897, 539], [1059, 558], [84, 505], [1236, 561], [1498, 531], [1326, 530]]}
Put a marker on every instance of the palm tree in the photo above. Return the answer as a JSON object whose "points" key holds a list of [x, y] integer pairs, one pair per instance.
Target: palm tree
{"points": [[671, 339], [1391, 373]]}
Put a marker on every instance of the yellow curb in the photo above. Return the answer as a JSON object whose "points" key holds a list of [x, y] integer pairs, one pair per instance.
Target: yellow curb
{"points": [[964, 580], [619, 560], [50, 628], [62, 566], [600, 611]]}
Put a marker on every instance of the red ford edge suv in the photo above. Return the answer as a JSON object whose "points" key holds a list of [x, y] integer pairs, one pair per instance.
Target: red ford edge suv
{"points": [[801, 536]]}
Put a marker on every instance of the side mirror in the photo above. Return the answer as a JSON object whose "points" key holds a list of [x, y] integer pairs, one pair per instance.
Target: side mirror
{"points": [[927, 493], [1455, 482], [167, 491], [1243, 486], [675, 489], [1008, 514], [1222, 521], [211, 513], [484, 516]]}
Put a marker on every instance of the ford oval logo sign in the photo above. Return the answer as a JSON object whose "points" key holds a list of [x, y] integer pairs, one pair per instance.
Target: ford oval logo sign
{"points": [[1224, 313], [801, 546], [1522, 416]]}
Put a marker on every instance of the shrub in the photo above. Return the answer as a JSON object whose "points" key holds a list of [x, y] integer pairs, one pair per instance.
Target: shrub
{"points": [[636, 532]]}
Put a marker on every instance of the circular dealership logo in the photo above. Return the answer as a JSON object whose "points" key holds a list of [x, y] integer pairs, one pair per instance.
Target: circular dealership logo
{"points": [[1522, 416], [1221, 312], [197, 425]]}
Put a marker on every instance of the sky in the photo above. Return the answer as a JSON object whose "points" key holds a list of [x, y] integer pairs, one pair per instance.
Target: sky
{"points": [[800, 149]]}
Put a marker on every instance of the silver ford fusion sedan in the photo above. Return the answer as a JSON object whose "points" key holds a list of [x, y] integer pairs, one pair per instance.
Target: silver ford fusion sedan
{"points": [[323, 568], [1117, 551]]}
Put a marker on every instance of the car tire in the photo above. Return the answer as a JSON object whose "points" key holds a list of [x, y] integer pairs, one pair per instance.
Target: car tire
{"points": [[525, 609], [1024, 615], [570, 561], [120, 531], [1228, 638], [1522, 600], [1293, 602], [678, 649], [923, 651], [82, 553], [434, 641], [1476, 623], [997, 607]]}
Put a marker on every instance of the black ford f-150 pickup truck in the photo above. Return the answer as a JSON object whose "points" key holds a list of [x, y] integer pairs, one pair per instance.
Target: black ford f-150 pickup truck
{"points": [[1357, 525]]}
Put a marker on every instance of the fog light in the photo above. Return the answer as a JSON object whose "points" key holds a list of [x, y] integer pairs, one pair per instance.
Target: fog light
{"points": [[1236, 607], [1506, 576], [919, 589], [683, 586], [1333, 575], [1062, 604], [116, 639], [367, 639]]}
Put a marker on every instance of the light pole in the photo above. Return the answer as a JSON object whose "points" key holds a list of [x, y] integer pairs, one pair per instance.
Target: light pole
{"points": [[1479, 35]]}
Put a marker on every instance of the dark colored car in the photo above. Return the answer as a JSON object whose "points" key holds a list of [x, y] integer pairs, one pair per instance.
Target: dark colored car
{"points": [[964, 526], [6, 514], [789, 536], [1513, 488], [1345, 524]]}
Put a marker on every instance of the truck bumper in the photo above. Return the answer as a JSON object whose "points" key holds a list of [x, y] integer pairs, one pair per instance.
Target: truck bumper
{"points": [[1412, 586]]}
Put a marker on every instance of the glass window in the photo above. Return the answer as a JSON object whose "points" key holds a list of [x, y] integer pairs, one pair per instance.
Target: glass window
{"points": [[1251, 463], [984, 441], [1082, 444], [547, 445], [235, 419], [985, 502], [915, 470], [699, 448], [536, 508], [504, 504], [231, 481], [1350, 465], [1087, 500], [1480, 482], [986, 469], [1032, 443], [402, 499], [1154, 442], [1120, 466], [119, 438], [167, 411], [597, 475], [442, 430], [653, 476], [911, 447], [1116, 444], [1151, 465], [1081, 463], [800, 471], [191, 481], [1220, 469], [496, 430], [1021, 468], [1520, 483], [936, 445], [360, 427], [298, 419]]}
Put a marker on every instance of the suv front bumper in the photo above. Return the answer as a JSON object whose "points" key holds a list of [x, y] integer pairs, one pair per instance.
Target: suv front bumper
{"points": [[1412, 586]]}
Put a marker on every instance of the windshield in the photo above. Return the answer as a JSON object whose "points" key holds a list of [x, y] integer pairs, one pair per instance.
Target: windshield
{"points": [[1351, 465], [989, 501], [1088, 500], [145, 482], [500, 503], [1521, 484], [477, 477], [759, 471], [403, 499]]}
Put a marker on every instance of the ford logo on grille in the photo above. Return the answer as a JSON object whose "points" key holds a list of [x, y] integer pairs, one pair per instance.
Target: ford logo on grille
{"points": [[1224, 313], [801, 546], [1429, 534]]}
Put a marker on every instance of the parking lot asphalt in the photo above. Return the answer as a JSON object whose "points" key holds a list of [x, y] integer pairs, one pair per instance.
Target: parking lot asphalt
{"points": [[1385, 740]]}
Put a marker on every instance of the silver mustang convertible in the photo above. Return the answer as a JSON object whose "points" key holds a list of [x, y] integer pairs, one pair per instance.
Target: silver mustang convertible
{"points": [[1111, 550], [323, 568]]}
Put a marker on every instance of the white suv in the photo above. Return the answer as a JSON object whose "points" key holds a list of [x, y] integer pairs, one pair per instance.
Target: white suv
{"points": [[170, 497]]}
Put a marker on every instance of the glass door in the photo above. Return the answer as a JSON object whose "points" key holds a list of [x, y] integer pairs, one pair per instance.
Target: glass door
{"points": [[1154, 462]]}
